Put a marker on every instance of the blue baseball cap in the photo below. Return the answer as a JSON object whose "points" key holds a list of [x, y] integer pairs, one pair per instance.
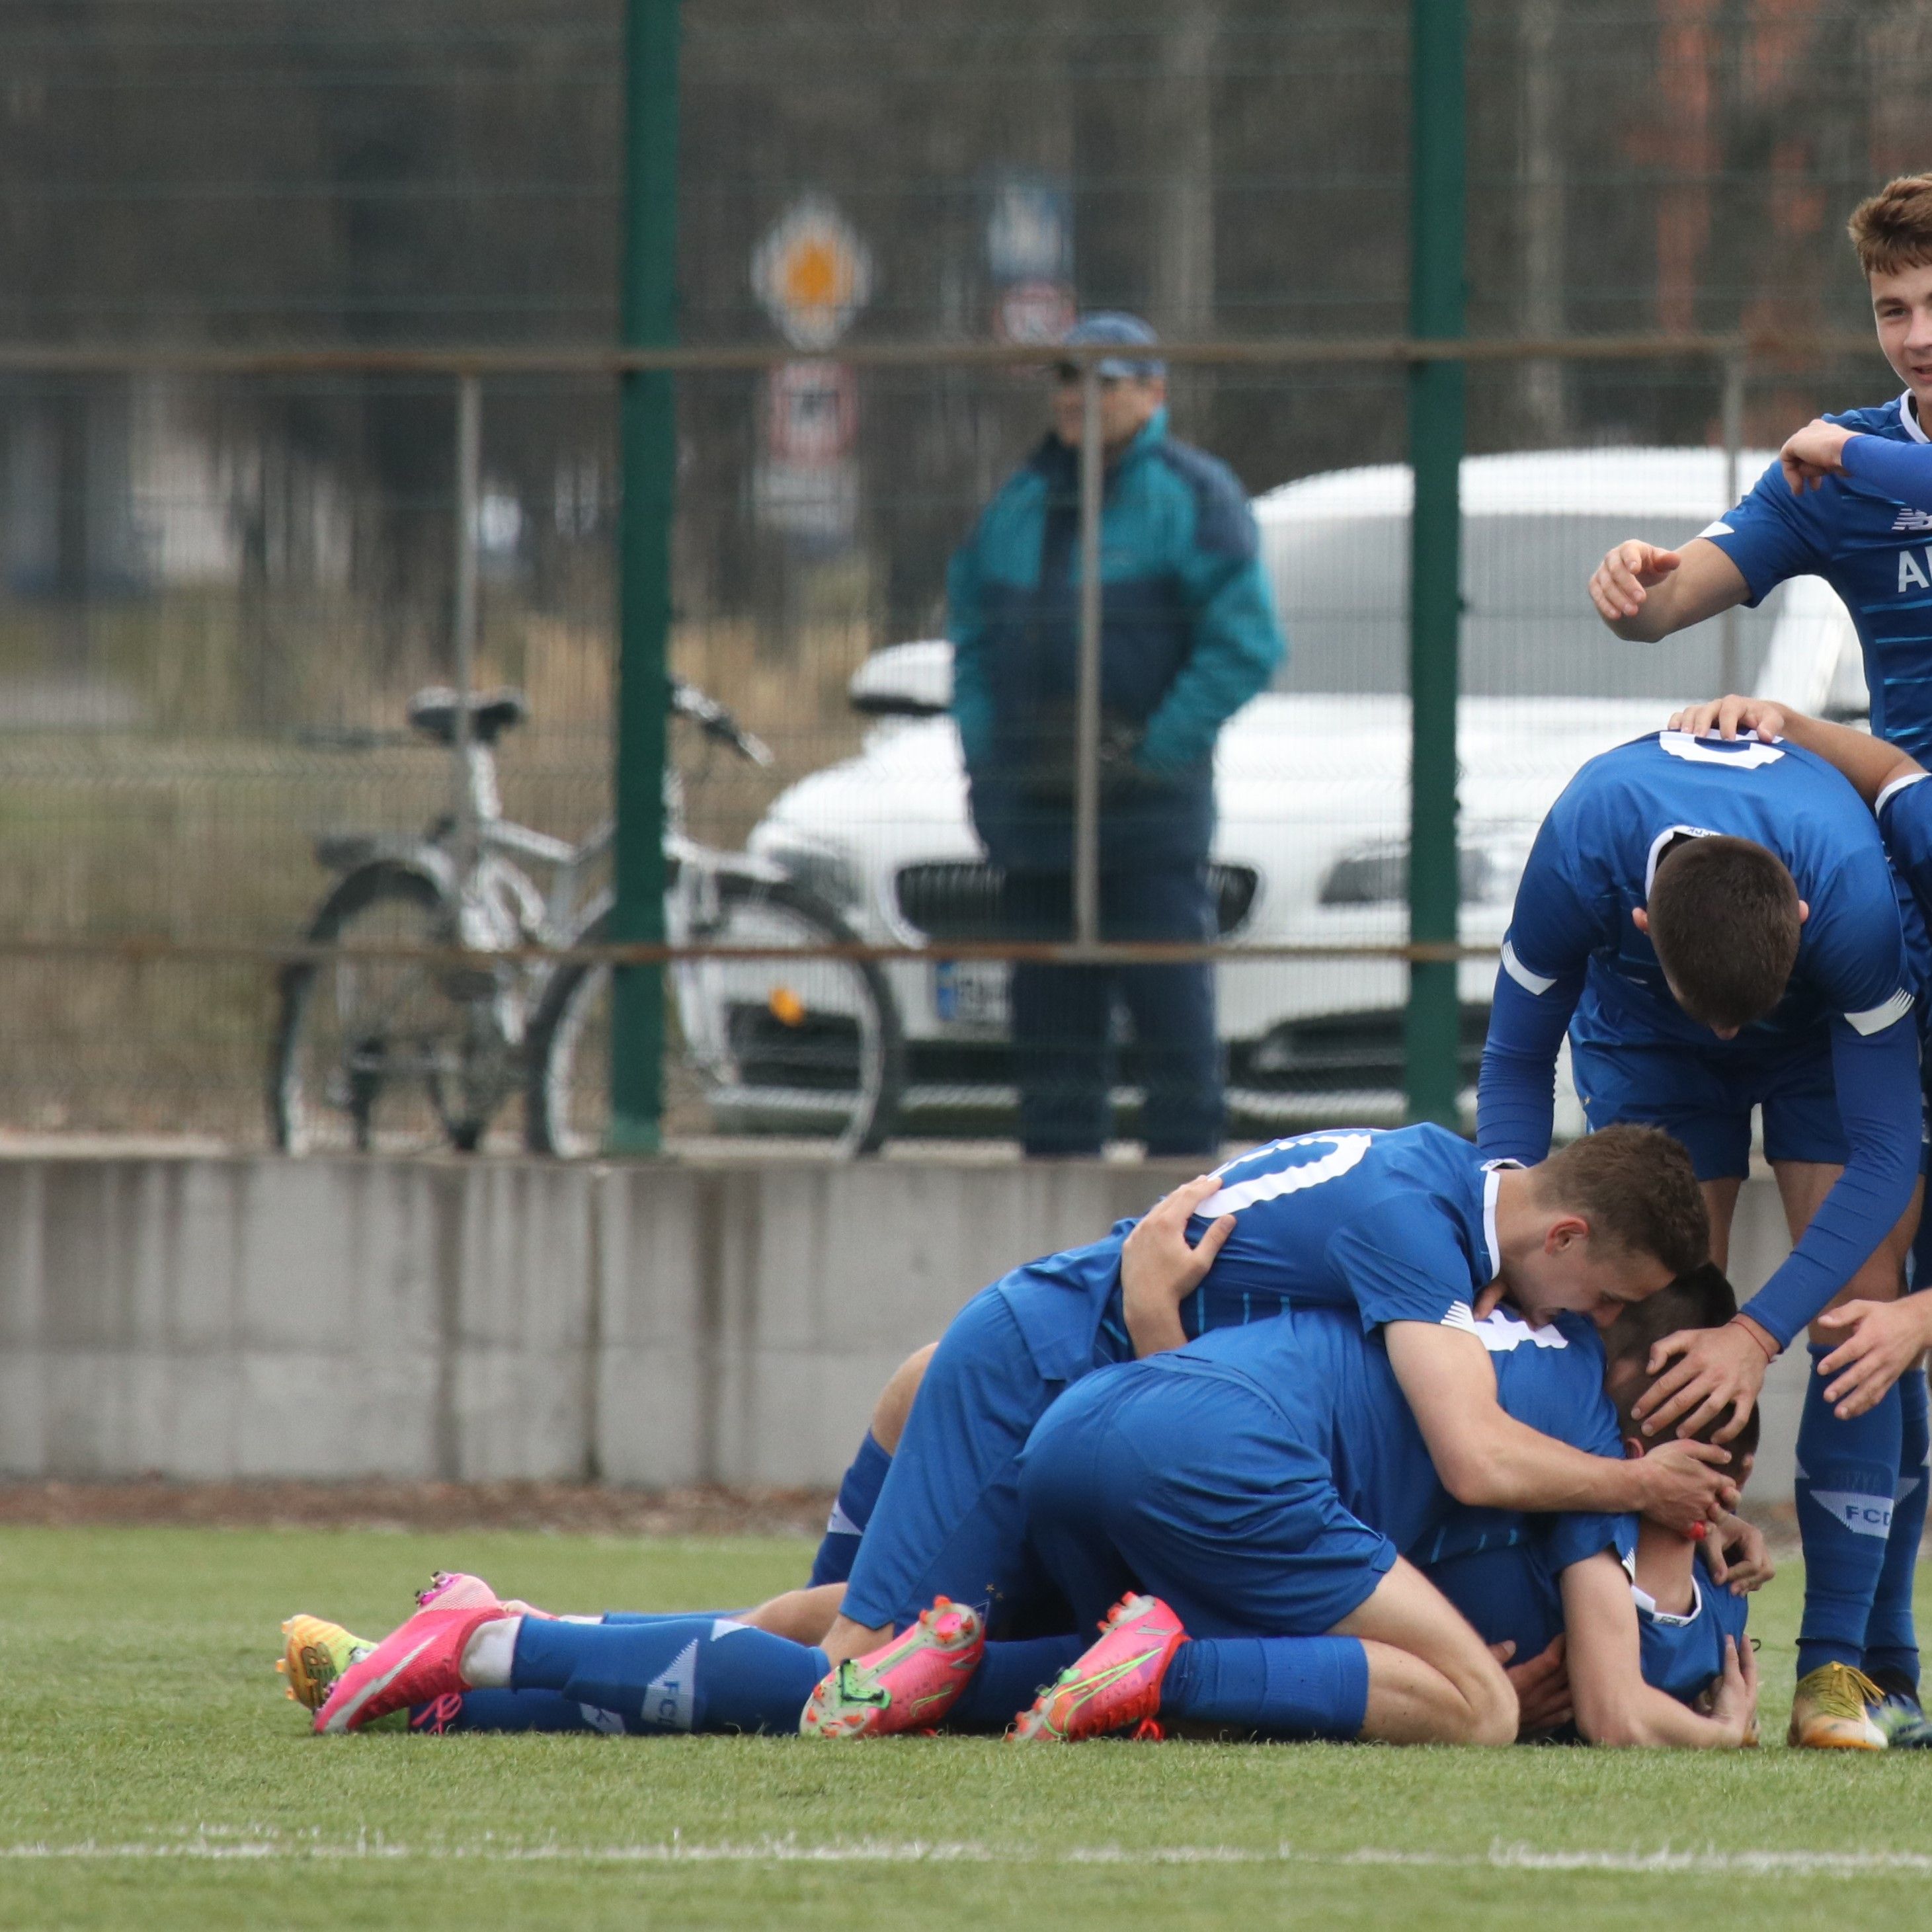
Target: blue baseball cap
{"points": [[1115, 326]]}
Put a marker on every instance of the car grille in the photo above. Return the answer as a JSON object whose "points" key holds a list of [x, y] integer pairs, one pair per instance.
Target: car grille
{"points": [[959, 898], [1344, 1052]]}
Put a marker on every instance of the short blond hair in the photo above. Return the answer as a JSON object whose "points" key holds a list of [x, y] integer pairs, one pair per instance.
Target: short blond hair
{"points": [[1892, 230]]}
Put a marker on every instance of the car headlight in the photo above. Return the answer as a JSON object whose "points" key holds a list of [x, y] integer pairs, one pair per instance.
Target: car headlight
{"points": [[830, 872], [1378, 874]]}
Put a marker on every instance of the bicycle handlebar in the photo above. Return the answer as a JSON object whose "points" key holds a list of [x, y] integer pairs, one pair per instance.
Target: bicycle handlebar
{"points": [[712, 717]]}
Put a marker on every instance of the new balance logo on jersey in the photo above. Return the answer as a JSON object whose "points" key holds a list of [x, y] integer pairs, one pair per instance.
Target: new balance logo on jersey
{"points": [[1913, 519]]}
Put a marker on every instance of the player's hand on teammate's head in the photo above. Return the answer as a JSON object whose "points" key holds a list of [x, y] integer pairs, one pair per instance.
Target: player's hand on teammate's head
{"points": [[1815, 452], [1884, 1340], [1730, 717], [1700, 1372], [1682, 1484], [1619, 583]]}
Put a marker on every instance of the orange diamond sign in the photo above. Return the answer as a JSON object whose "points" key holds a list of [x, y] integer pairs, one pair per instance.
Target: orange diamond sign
{"points": [[813, 273]]}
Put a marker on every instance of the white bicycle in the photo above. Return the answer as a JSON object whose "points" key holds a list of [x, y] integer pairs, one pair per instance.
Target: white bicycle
{"points": [[378, 1050]]}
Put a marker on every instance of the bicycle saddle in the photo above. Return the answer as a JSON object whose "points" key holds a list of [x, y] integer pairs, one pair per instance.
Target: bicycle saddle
{"points": [[433, 712]]}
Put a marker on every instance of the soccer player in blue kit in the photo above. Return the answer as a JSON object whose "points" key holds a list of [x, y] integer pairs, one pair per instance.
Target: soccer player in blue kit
{"points": [[1269, 1482], [1409, 1228], [1403, 1228], [1717, 927]]}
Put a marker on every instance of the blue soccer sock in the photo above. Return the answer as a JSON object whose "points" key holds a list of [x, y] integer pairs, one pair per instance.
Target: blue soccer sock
{"points": [[1891, 1641], [510, 1711], [1282, 1686], [857, 1494], [1009, 1677], [1846, 1473], [681, 1674]]}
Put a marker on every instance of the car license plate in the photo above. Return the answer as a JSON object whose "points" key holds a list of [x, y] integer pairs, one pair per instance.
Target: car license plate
{"points": [[970, 992]]}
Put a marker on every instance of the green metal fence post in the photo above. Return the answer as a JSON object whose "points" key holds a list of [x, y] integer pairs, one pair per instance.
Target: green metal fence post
{"points": [[1436, 422], [648, 458]]}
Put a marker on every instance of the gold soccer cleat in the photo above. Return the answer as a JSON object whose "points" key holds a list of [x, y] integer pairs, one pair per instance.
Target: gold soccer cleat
{"points": [[1832, 1711], [315, 1655]]}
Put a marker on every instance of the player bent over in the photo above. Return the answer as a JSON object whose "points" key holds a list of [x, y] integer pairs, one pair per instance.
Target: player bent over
{"points": [[1269, 1483], [1716, 925]]}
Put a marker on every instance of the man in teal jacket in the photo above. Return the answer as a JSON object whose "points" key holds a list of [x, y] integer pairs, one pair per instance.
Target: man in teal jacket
{"points": [[1189, 634]]}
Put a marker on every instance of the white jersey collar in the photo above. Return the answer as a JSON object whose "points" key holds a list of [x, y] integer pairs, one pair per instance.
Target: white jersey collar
{"points": [[1492, 1181], [1908, 414], [1647, 1604]]}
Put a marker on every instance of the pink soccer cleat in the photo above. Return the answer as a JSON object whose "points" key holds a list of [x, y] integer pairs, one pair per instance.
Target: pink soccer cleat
{"points": [[415, 1664], [1113, 1685], [457, 1590], [908, 1684]]}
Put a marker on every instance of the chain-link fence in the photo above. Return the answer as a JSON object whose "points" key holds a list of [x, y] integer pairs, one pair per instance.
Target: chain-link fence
{"points": [[222, 586]]}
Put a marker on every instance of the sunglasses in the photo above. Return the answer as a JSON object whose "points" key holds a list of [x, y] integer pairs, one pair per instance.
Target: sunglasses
{"points": [[1067, 376]]}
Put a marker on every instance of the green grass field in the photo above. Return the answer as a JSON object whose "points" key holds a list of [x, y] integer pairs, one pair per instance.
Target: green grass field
{"points": [[150, 1775]]}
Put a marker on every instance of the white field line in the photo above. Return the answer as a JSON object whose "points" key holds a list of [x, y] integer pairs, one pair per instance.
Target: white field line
{"points": [[218, 1845]]}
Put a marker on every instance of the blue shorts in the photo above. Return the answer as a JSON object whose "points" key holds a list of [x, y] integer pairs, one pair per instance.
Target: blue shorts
{"points": [[1704, 1098], [1507, 1594], [1183, 1479], [948, 1521]]}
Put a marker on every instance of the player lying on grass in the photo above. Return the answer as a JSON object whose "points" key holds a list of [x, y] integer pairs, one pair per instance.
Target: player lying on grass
{"points": [[1715, 924], [1409, 1228], [711, 1673], [1263, 1482], [1403, 1229]]}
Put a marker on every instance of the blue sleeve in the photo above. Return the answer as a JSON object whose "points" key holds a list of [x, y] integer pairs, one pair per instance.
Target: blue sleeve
{"points": [[1546, 954], [1773, 534], [1576, 1536], [1238, 641], [1876, 1075], [1901, 471], [972, 695], [1402, 1264], [1905, 819]]}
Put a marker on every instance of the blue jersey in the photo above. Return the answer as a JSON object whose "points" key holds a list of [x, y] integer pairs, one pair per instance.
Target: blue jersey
{"points": [[1872, 545], [1341, 1400], [1681, 1653], [1393, 1226], [1574, 958]]}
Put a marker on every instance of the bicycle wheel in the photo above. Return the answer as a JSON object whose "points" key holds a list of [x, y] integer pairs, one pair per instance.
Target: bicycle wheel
{"points": [[809, 1048], [393, 1054]]}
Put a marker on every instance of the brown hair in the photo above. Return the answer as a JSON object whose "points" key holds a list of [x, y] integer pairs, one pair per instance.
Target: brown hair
{"points": [[1636, 1187], [1723, 918], [1892, 230]]}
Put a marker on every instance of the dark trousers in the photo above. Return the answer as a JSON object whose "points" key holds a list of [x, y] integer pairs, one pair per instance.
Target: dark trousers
{"points": [[1063, 1016]]}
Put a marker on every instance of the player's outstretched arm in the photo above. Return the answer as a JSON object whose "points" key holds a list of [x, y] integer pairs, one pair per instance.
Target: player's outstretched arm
{"points": [[1614, 1705], [1489, 1460], [1869, 763], [1644, 593]]}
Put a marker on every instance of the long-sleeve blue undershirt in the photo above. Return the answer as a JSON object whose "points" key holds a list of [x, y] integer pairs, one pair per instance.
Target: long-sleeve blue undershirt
{"points": [[1876, 1077], [1902, 471]]}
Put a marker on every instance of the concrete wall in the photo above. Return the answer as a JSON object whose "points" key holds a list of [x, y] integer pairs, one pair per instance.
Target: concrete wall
{"points": [[653, 1325]]}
